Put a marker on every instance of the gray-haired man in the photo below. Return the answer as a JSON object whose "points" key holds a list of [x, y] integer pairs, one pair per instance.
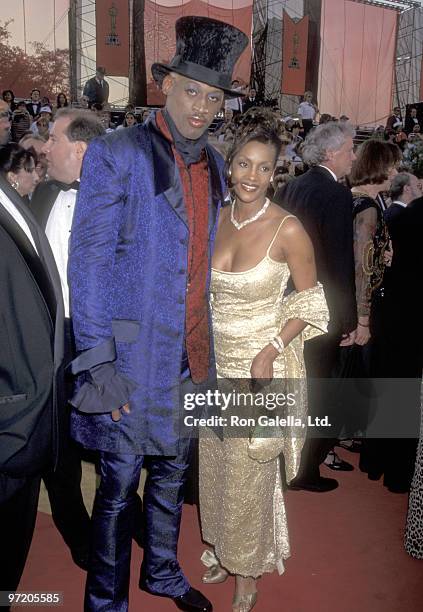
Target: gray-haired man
{"points": [[53, 205], [324, 206]]}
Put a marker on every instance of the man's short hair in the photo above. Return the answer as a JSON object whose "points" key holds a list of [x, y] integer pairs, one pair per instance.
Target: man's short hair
{"points": [[401, 180], [84, 125], [327, 137]]}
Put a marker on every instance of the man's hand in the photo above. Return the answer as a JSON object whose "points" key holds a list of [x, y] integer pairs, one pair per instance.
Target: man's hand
{"points": [[348, 339], [117, 414]]}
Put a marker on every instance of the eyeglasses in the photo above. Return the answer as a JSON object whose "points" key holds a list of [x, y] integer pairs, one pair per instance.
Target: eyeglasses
{"points": [[4, 114]]}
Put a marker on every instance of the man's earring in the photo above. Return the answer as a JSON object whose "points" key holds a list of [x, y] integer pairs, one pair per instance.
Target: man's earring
{"points": [[229, 172], [15, 185]]}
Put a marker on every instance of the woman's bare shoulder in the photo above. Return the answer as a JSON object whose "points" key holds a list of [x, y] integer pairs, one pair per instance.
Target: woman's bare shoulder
{"points": [[279, 214]]}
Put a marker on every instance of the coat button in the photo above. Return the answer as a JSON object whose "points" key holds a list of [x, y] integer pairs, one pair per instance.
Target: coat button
{"points": [[183, 241], [181, 271], [181, 300]]}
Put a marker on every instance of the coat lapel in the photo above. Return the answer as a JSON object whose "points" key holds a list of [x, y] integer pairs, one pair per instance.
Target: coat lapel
{"points": [[167, 181], [215, 186], [166, 175], [45, 257], [43, 200]]}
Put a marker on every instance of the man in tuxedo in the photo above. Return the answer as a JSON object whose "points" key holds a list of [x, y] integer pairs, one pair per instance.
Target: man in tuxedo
{"points": [[411, 121], [402, 307], [97, 88], [394, 120], [250, 101], [403, 296], [324, 206], [401, 318], [34, 107], [401, 276], [31, 340], [53, 205], [405, 188]]}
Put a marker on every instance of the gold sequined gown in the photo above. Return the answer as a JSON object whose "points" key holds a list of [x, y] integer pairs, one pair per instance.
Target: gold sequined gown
{"points": [[241, 503]]}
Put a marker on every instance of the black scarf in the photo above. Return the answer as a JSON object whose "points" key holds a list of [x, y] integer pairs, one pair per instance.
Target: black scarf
{"points": [[190, 150]]}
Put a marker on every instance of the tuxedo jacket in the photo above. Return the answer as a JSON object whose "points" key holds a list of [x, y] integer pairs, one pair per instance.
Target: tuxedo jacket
{"points": [[392, 216], [128, 280], [407, 262], [42, 201], [392, 120], [30, 109], [247, 103], [31, 340], [324, 207], [409, 125], [95, 92], [403, 297]]}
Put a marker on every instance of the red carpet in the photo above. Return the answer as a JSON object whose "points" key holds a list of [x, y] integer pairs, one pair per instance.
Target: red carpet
{"points": [[347, 556]]}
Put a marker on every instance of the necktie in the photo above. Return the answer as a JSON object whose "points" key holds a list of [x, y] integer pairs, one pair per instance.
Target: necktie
{"points": [[67, 186]]}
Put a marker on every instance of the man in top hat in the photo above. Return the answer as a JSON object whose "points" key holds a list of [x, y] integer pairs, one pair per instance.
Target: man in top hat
{"points": [[139, 272], [97, 88]]}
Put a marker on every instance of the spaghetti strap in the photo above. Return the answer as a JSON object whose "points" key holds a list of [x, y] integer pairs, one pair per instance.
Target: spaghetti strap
{"points": [[277, 232]]}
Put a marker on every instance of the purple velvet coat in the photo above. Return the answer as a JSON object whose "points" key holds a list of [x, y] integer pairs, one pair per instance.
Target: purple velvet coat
{"points": [[128, 278]]}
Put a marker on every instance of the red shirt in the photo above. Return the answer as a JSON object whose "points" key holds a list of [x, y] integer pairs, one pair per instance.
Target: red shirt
{"points": [[195, 184]]}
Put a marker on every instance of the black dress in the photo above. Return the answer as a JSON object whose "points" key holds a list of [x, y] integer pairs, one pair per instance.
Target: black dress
{"points": [[391, 457]]}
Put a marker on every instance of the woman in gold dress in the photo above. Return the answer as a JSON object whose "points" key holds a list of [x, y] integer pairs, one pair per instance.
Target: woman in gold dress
{"points": [[259, 334]]}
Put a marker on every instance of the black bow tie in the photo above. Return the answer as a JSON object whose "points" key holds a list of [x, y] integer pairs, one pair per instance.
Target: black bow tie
{"points": [[67, 186]]}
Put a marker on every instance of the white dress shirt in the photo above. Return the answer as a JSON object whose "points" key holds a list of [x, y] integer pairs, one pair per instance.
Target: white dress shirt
{"points": [[329, 170], [399, 203], [58, 229], [306, 110], [17, 216]]}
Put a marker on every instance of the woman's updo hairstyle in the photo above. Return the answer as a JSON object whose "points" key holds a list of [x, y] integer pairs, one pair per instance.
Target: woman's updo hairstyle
{"points": [[259, 125]]}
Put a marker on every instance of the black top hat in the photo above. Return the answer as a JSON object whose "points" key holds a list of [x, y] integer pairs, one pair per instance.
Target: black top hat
{"points": [[206, 51]]}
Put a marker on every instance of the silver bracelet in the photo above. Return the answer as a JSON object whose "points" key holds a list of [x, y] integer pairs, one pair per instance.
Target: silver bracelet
{"points": [[278, 344]]}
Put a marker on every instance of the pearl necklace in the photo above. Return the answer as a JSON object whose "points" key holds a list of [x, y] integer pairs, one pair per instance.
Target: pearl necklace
{"points": [[251, 219]]}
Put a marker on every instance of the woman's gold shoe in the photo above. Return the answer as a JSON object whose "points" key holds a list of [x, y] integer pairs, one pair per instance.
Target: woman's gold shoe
{"points": [[244, 603], [215, 572]]}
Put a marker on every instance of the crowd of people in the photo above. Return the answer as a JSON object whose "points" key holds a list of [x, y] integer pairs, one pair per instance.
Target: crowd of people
{"points": [[290, 261]]}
